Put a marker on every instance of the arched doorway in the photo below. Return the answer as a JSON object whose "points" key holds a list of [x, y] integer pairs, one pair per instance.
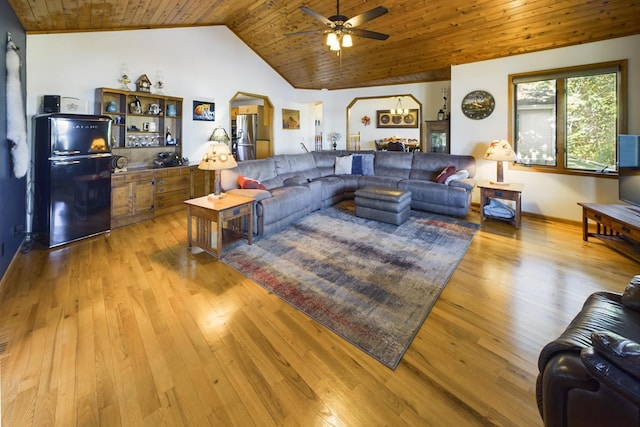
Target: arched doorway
{"points": [[368, 106], [251, 126]]}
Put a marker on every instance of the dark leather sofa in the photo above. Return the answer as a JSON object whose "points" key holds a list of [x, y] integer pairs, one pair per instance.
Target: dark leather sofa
{"points": [[590, 375]]}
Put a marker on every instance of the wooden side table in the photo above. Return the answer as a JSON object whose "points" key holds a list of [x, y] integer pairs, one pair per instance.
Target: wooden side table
{"points": [[617, 225], [512, 191], [226, 211]]}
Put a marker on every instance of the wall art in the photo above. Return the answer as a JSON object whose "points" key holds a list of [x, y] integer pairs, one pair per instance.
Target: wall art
{"points": [[204, 111], [387, 120], [290, 119]]}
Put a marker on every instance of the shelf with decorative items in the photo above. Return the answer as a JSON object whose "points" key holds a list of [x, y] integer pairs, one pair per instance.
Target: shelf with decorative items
{"points": [[144, 123]]}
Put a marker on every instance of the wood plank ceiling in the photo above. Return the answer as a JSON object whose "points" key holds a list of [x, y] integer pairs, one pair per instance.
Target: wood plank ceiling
{"points": [[426, 37]]}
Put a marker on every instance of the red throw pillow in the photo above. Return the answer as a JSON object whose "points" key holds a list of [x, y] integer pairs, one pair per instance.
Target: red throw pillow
{"points": [[446, 173], [248, 183]]}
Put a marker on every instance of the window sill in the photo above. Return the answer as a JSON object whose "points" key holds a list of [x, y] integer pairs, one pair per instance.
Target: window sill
{"points": [[574, 172]]}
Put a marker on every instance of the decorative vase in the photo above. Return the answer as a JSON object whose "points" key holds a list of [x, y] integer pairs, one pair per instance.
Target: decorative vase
{"points": [[112, 107], [171, 110]]}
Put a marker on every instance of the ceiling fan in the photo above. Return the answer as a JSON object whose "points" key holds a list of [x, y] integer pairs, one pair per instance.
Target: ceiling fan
{"points": [[340, 28]]}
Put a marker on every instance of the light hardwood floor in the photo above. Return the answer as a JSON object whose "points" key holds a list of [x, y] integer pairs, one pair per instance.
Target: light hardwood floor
{"points": [[134, 330]]}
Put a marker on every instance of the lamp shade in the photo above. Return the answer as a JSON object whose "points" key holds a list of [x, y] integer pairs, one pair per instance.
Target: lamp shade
{"points": [[217, 157], [500, 151], [219, 135]]}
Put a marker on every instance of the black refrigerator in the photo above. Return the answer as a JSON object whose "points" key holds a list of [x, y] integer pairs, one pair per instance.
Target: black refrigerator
{"points": [[72, 177]]}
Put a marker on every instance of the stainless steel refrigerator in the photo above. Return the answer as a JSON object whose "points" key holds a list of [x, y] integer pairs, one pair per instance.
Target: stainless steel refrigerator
{"points": [[247, 132], [72, 177]]}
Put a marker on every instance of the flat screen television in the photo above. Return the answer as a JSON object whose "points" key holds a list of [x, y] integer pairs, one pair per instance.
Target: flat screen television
{"points": [[629, 168]]}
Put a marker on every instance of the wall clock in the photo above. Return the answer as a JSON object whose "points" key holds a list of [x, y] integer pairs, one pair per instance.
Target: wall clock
{"points": [[478, 105]]}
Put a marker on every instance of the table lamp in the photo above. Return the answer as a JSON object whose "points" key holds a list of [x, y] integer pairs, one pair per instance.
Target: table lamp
{"points": [[500, 151], [217, 157]]}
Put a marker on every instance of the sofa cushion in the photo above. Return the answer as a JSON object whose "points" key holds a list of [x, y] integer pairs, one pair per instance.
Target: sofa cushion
{"points": [[255, 194], [298, 164], [393, 164], [295, 180], [427, 166], [260, 170]]}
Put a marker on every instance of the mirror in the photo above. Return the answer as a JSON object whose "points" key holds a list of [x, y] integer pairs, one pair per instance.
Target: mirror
{"points": [[377, 107], [251, 126]]}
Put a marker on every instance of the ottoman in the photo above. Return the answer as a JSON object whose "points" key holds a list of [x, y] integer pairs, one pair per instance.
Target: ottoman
{"points": [[383, 204]]}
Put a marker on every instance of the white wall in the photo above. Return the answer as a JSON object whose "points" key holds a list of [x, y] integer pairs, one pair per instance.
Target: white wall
{"points": [[552, 195], [200, 63]]}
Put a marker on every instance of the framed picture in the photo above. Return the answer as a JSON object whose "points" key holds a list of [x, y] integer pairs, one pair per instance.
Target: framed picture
{"points": [[204, 111], [290, 119], [387, 120]]}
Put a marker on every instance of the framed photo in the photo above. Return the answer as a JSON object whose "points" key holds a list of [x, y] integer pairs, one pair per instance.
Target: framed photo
{"points": [[204, 111], [290, 119], [387, 120]]}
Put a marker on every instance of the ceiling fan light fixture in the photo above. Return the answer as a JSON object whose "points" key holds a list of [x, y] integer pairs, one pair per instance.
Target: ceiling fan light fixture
{"points": [[335, 47], [347, 41], [332, 39]]}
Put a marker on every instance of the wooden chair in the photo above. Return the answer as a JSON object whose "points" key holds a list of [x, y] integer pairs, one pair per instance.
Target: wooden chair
{"points": [[319, 142], [354, 141], [380, 145]]}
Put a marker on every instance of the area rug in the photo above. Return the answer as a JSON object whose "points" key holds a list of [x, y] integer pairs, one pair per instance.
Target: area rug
{"points": [[370, 282]]}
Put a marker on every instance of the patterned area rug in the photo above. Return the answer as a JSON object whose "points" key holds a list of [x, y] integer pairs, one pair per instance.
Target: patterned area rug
{"points": [[370, 282]]}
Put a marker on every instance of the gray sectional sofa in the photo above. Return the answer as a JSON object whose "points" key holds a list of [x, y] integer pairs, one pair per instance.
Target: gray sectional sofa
{"points": [[298, 184]]}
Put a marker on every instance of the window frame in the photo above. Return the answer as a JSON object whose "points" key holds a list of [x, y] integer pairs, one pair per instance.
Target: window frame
{"points": [[621, 69]]}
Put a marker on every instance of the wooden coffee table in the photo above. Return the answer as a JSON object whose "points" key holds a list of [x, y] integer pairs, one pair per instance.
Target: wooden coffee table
{"points": [[232, 216]]}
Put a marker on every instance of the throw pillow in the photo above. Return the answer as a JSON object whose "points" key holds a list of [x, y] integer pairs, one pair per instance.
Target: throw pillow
{"points": [[250, 183], [362, 164], [356, 165], [343, 165], [461, 174], [446, 172]]}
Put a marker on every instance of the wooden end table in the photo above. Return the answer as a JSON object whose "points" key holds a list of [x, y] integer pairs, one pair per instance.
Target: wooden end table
{"points": [[511, 191], [227, 214]]}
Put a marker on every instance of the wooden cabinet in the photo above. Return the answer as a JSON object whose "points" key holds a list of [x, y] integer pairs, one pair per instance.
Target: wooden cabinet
{"points": [[141, 195], [248, 109], [141, 120], [201, 182], [438, 140], [173, 186], [132, 196]]}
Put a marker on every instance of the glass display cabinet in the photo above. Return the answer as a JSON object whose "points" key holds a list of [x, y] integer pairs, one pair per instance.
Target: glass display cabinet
{"points": [[438, 136]]}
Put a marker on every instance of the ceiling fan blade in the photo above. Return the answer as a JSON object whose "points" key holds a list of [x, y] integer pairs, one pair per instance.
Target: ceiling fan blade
{"points": [[304, 33], [316, 15], [368, 34], [367, 16]]}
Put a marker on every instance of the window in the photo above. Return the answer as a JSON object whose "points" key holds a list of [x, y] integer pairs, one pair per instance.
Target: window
{"points": [[568, 120]]}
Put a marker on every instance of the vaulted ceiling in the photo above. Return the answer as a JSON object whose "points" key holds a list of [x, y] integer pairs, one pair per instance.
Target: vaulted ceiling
{"points": [[426, 36]]}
